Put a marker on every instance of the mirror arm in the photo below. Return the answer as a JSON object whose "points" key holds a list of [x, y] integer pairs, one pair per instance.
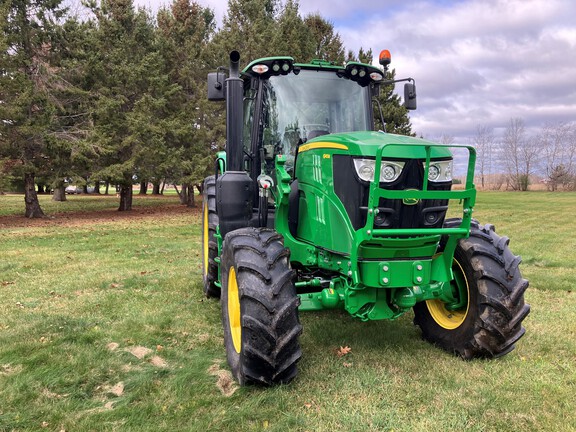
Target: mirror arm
{"points": [[398, 80], [381, 114]]}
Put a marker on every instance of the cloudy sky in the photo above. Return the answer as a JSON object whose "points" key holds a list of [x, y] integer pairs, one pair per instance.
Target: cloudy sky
{"points": [[474, 61]]}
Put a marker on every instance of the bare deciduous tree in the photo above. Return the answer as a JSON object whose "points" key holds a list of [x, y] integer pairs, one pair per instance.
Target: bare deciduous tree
{"points": [[520, 153], [557, 141], [483, 140]]}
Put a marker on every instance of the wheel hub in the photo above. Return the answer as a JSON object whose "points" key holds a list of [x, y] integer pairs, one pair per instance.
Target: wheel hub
{"points": [[234, 310]]}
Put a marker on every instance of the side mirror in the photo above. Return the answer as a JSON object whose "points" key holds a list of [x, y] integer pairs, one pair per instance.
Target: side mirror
{"points": [[216, 84], [410, 96]]}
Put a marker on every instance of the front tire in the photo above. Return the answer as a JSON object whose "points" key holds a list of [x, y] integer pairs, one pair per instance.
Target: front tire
{"points": [[490, 322], [259, 308], [209, 245]]}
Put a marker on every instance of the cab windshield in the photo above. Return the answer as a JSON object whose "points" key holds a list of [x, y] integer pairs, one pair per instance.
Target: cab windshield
{"points": [[297, 108]]}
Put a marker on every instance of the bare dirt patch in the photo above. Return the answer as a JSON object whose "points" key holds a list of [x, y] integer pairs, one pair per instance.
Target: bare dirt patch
{"points": [[139, 351], [80, 218], [9, 369], [225, 382], [117, 389], [158, 362], [112, 346]]}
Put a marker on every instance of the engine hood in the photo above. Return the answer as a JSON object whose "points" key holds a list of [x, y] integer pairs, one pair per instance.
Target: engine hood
{"points": [[367, 143]]}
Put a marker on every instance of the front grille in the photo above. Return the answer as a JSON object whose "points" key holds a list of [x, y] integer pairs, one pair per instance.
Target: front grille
{"points": [[393, 213]]}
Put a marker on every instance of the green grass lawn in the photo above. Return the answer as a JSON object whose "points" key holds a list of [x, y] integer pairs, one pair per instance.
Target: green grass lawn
{"points": [[103, 327], [14, 204]]}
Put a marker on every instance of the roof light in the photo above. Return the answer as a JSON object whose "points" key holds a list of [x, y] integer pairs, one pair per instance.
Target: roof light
{"points": [[376, 76], [385, 58], [354, 72], [260, 69], [276, 67], [285, 67], [362, 73]]}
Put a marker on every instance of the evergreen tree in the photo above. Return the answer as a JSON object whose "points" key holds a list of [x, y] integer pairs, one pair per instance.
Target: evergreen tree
{"points": [[184, 32], [248, 27], [291, 36], [29, 87], [395, 115], [124, 73], [327, 43], [74, 105]]}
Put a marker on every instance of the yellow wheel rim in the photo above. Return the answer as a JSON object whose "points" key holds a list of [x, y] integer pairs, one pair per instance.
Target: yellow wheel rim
{"points": [[234, 310], [205, 239], [445, 318]]}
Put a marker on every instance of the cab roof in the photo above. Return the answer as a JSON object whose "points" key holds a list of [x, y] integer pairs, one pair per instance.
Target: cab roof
{"points": [[266, 67]]}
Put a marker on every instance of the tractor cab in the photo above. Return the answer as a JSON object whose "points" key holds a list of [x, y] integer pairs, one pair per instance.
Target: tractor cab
{"points": [[303, 104], [286, 104]]}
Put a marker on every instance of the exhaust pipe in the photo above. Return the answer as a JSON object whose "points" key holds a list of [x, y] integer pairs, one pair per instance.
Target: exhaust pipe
{"points": [[235, 188], [234, 62], [234, 115]]}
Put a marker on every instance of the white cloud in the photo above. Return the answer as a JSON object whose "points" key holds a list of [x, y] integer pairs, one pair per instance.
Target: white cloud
{"points": [[474, 61], [480, 61]]}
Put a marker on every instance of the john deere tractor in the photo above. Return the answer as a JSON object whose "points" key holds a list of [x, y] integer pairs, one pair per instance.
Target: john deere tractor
{"points": [[311, 209]]}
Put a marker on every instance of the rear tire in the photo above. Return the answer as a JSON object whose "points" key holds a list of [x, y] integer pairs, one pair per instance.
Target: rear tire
{"points": [[259, 307], [491, 322], [209, 244]]}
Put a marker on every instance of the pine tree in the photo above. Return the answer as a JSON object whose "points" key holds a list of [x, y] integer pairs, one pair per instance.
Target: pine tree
{"points": [[184, 31], [246, 27], [291, 36], [29, 90], [328, 43], [124, 74], [395, 115]]}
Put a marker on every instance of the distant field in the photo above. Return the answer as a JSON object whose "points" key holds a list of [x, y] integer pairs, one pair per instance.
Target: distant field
{"points": [[103, 327]]}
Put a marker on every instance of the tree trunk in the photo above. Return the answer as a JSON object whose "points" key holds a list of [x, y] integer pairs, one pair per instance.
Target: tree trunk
{"points": [[125, 197], [163, 186], [190, 196], [143, 188], [59, 192], [42, 189], [156, 188], [107, 187], [183, 194], [97, 187], [33, 209]]}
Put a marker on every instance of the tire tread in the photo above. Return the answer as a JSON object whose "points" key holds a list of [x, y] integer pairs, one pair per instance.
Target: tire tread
{"points": [[500, 307], [269, 307]]}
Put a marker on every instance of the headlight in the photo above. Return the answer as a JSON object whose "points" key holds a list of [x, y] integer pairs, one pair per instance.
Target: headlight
{"points": [[439, 171], [389, 171]]}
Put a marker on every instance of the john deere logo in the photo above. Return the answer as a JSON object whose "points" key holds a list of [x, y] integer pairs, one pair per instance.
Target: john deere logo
{"points": [[410, 201]]}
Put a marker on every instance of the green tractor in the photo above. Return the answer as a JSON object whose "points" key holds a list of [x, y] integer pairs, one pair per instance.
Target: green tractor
{"points": [[311, 209]]}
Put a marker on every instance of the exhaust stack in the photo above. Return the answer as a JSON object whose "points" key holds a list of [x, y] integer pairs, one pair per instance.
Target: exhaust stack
{"points": [[234, 188], [234, 115]]}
